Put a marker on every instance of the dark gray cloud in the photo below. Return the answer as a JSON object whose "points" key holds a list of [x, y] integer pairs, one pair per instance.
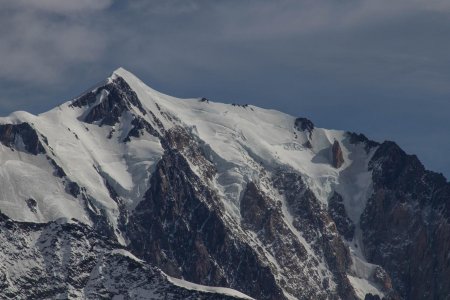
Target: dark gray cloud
{"points": [[380, 67], [41, 39]]}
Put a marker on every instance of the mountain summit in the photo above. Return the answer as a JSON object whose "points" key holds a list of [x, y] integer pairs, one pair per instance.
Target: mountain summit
{"points": [[126, 192]]}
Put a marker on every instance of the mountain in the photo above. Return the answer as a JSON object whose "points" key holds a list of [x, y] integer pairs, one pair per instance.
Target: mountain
{"points": [[127, 193]]}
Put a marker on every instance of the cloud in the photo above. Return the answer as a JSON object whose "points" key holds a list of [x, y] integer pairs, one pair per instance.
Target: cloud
{"points": [[43, 39], [366, 41], [347, 64], [357, 40], [59, 6], [169, 7]]}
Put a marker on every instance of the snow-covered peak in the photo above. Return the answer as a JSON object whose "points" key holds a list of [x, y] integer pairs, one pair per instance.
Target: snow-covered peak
{"points": [[123, 73], [133, 81], [96, 155], [243, 137], [120, 70]]}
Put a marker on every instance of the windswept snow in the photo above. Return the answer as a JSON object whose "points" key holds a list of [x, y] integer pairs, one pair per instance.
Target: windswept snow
{"points": [[209, 289], [126, 253]]}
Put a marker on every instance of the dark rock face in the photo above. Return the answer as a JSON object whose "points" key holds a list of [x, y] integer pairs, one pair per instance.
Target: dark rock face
{"points": [[337, 158], [32, 204], [356, 138], [336, 209], [256, 210], [382, 278], [406, 224], [178, 228], [58, 171], [117, 97], [139, 127], [87, 99], [318, 228], [308, 145], [372, 297], [11, 133], [304, 124], [98, 217], [263, 216], [73, 188]]}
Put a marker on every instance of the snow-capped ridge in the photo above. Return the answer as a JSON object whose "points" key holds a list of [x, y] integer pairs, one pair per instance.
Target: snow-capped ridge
{"points": [[133, 81]]}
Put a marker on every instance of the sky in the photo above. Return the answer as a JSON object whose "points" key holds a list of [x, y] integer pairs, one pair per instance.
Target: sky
{"points": [[377, 67]]}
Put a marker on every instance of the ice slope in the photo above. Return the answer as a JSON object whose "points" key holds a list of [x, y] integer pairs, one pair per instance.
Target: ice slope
{"points": [[239, 138]]}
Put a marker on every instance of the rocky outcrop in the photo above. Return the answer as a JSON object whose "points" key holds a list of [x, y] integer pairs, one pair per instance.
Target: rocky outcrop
{"points": [[372, 297], [21, 137], [109, 102], [336, 209], [58, 171], [32, 204], [382, 279], [406, 224], [258, 215], [355, 138], [336, 155], [139, 127], [304, 124]]}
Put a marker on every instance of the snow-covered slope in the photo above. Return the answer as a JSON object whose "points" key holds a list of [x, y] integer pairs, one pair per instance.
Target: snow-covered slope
{"points": [[285, 195]]}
